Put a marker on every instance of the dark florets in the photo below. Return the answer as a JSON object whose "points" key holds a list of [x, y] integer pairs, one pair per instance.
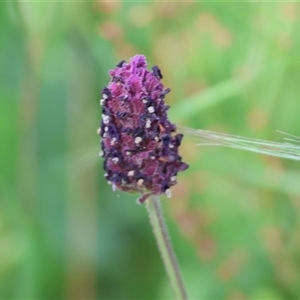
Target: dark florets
{"points": [[140, 153]]}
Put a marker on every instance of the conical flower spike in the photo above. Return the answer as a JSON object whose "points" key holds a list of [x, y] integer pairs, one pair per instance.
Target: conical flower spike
{"points": [[139, 148]]}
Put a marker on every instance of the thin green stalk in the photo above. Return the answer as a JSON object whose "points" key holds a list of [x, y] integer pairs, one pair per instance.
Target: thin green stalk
{"points": [[164, 244]]}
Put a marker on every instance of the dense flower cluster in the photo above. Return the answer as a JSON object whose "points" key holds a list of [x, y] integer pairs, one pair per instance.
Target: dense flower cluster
{"points": [[140, 153]]}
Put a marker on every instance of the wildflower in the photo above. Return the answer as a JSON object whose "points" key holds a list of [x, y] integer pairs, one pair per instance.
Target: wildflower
{"points": [[140, 153]]}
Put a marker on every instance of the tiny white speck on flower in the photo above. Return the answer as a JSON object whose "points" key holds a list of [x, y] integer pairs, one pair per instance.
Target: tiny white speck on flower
{"points": [[114, 187], [115, 159], [113, 141], [144, 100], [104, 96], [148, 123], [140, 182], [156, 138], [104, 135], [100, 153], [127, 152], [109, 182], [105, 128], [105, 174], [123, 181], [130, 173], [151, 109], [138, 139], [98, 131], [168, 193], [152, 157], [102, 101], [173, 178], [171, 146], [105, 119]]}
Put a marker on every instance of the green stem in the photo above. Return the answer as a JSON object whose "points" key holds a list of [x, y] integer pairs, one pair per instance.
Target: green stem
{"points": [[164, 244]]}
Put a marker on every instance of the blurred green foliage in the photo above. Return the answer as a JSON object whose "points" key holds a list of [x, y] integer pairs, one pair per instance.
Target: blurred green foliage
{"points": [[234, 216]]}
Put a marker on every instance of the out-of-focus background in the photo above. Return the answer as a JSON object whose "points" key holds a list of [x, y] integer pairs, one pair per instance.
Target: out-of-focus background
{"points": [[233, 217]]}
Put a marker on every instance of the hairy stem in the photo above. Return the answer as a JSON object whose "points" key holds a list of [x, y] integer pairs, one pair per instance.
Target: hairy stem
{"points": [[164, 244]]}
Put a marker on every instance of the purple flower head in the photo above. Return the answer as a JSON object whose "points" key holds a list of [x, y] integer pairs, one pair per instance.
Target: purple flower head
{"points": [[140, 153]]}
